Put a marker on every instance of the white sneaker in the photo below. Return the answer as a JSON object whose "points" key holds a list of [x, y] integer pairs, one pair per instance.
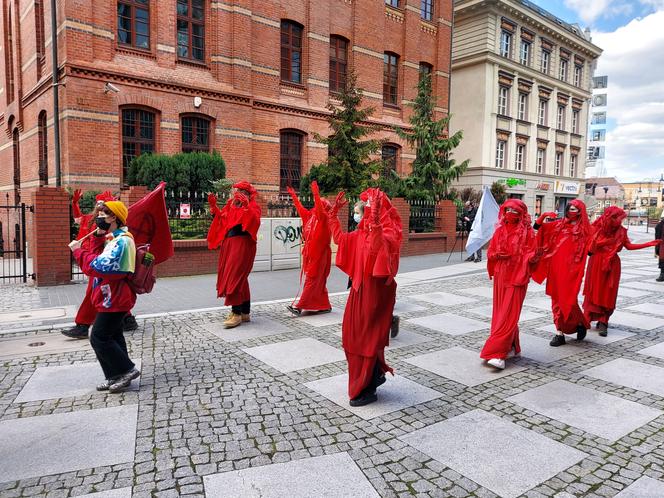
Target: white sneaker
{"points": [[497, 363]]}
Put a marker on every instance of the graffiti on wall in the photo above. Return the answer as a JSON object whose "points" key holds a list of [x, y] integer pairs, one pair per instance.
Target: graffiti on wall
{"points": [[288, 235]]}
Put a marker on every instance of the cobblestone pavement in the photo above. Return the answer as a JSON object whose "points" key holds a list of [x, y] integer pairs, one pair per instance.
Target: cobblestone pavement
{"points": [[585, 419]]}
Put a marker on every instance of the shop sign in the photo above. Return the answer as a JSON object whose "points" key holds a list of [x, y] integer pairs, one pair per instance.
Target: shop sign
{"points": [[543, 186], [513, 183], [567, 188]]}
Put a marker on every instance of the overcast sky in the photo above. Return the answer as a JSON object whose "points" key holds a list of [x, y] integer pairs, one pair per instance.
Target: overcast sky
{"points": [[631, 32]]}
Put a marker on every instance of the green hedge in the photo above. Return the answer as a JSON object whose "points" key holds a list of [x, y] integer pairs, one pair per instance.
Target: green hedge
{"points": [[184, 172]]}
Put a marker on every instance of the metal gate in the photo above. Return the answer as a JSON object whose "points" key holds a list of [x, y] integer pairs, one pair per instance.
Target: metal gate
{"points": [[13, 243]]}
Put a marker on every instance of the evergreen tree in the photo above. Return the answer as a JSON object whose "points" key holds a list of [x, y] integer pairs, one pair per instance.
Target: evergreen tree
{"points": [[433, 168], [349, 166]]}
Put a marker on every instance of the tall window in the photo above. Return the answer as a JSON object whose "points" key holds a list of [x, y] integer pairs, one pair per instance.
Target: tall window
{"points": [[425, 69], [563, 69], [523, 107], [572, 165], [505, 43], [291, 52], [578, 73], [524, 53], [392, 3], [503, 100], [559, 163], [134, 24], [575, 121], [520, 157], [138, 135], [390, 78], [191, 29], [290, 169], [9, 56], [16, 149], [390, 155], [338, 63], [43, 149], [542, 112], [545, 61], [560, 122], [426, 9], [39, 37], [541, 157], [501, 147], [195, 134]]}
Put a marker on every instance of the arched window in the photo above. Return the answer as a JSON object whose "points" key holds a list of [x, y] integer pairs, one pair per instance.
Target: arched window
{"points": [[191, 29], [9, 56], [43, 149], [291, 52], [290, 163], [338, 63], [195, 133], [16, 149], [390, 156], [134, 23], [39, 37], [390, 78], [138, 135], [425, 69]]}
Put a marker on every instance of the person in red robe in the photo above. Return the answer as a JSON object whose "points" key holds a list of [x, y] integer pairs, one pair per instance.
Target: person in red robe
{"points": [[235, 230], [511, 256], [564, 243], [603, 273], [316, 253], [370, 257]]}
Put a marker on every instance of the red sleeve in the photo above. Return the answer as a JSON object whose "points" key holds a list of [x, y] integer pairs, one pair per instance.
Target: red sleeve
{"points": [[630, 246], [85, 257], [304, 213], [76, 210], [491, 257]]}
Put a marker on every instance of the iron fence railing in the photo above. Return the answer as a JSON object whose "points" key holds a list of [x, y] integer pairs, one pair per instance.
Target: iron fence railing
{"points": [[422, 216]]}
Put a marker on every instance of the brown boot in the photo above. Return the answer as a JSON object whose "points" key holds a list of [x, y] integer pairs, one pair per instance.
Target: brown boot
{"points": [[232, 320], [246, 317]]}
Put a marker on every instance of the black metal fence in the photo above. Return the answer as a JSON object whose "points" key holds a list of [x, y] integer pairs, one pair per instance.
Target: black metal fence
{"points": [[422, 216], [13, 242]]}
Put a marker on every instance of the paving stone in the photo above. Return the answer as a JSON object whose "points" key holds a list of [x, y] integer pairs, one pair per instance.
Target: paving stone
{"points": [[541, 303], [461, 365], [396, 394], [443, 298], [63, 442], [633, 320], [538, 349], [657, 351], [631, 293], [326, 476], [407, 338], [406, 306], [644, 487], [447, 323], [641, 285], [614, 335], [652, 308], [497, 454], [630, 373], [66, 381], [487, 311], [40, 344], [324, 319], [258, 327], [485, 292], [297, 354], [111, 493], [595, 412]]}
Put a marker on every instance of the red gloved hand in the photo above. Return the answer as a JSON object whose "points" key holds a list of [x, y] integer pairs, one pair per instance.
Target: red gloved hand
{"points": [[212, 200], [544, 216], [339, 202], [241, 199], [291, 191], [314, 188], [376, 204], [77, 196]]}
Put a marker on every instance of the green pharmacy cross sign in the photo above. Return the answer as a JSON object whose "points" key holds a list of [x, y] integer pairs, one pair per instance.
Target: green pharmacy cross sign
{"points": [[512, 182]]}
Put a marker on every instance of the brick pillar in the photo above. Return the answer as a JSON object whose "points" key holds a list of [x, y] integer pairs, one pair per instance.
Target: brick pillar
{"points": [[446, 216], [403, 208], [262, 199], [50, 233], [133, 194]]}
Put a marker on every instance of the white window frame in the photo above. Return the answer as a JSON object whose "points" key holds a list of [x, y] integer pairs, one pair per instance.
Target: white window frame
{"points": [[542, 112], [523, 107], [545, 61], [560, 119], [578, 72], [558, 164], [524, 53], [519, 162], [501, 152], [541, 160], [572, 165], [506, 44], [575, 121], [564, 65], [503, 100]]}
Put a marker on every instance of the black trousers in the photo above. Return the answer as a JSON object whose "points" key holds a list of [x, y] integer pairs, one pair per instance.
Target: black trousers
{"points": [[244, 308], [108, 342]]}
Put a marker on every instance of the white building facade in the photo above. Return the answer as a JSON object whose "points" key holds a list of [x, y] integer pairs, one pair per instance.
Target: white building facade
{"points": [[520, 91]]}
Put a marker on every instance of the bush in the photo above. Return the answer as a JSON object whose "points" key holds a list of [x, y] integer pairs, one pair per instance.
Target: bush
{"points": [[184, 172]]}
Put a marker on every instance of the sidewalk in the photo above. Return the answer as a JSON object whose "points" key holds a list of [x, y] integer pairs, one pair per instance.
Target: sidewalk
{"points": [[262, 410]]}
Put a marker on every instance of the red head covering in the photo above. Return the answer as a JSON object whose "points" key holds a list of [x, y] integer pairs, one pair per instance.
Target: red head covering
{"points": [[579, 231], [516, 239], [245, 185], [608, 233], [105, 196]]}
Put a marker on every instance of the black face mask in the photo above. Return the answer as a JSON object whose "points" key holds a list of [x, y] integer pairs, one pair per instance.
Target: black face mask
{"points": [[102, 223]]}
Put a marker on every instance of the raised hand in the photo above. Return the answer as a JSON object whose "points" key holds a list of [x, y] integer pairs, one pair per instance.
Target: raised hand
{"points": [[212, 200], [314, 188], [339, 202], [78, 193], [291, 191], [376, 204], [241, 199]]}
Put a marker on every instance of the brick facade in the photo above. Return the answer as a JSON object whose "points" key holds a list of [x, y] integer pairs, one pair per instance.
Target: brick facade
{"points": [[238, 81]]}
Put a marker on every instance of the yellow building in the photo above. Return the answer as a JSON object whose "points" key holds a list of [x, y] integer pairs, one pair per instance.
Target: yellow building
{"points": [[645, 194]]}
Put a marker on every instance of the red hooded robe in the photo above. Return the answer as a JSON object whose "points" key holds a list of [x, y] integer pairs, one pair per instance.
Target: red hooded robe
{"points": [[370, 256], [511, 276], [603, 273], [565, 245], [237, 254], [316, 253]]}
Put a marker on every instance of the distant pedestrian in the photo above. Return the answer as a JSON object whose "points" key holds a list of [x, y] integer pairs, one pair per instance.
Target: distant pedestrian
{"points": [[603, 273], [110, 260], [235, 230], [659, 236], [564, 243], [511, 257], [469, 213], [316, 254]]}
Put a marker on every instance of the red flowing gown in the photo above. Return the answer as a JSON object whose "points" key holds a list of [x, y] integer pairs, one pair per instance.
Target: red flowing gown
{"points": [[316, 256], [370, 256], [86, 313], [237, 254]]}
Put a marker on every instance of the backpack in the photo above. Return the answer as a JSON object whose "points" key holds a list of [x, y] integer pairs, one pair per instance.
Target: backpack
{"points": [[143, 279]]}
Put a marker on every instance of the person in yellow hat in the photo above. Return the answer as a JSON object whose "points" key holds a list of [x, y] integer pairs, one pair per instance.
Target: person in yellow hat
{"points": [[109, 260]]}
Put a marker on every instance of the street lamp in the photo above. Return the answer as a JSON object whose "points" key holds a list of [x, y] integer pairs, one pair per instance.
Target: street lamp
{"points": [[606, 191]]}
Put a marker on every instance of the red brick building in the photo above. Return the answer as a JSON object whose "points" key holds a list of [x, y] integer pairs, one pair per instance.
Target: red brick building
{"points": [[247, 78]]}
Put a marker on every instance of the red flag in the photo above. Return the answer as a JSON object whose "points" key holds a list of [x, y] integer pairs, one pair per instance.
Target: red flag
{"points": [[148, 223]]}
